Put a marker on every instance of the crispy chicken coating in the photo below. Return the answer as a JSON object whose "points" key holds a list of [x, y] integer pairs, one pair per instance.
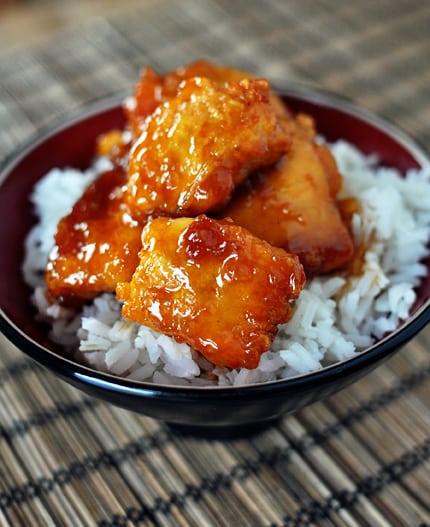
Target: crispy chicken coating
{"points": [[96, 245], [213, 285], [292, 205], [153, 89], [199, 145]]}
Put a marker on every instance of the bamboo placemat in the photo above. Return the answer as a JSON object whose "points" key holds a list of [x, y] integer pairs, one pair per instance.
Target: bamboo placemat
{"points": [[358, 458]]}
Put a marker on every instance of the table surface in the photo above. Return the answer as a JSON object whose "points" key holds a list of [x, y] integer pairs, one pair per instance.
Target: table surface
{"points": [[360, 457]]}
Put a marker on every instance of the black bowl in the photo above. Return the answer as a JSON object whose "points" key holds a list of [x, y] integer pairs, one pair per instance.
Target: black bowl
{"points": [[205, 410]]}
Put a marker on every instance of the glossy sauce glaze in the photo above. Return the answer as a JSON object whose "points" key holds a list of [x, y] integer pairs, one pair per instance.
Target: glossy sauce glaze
{"points": [[213, 285], [195, 136], [96, 245], [293, 204], [153, 89], [198, 146]]}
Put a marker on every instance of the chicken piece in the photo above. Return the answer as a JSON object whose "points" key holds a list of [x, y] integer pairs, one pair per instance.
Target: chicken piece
{"points": [[115, 145], [96, 245], [303, 128], [152, 89], [213, 285], [199, 145], [292, 204]]}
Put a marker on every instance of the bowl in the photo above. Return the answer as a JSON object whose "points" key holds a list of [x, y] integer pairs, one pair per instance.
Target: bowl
{"points": [[209, 411]]}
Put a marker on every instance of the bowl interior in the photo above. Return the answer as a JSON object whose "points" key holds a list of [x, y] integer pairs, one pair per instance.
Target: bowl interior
{"points": [[73, 144], [68, 145]]}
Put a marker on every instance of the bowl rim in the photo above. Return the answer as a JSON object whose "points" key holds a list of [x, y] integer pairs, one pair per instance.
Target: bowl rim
{"points": [[72, 370]]}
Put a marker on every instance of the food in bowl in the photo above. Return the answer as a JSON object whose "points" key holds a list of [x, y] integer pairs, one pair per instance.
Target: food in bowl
{"points": [[361, 252]]}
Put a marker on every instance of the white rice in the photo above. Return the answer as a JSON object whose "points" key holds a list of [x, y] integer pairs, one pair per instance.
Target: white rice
{"points": [[334, 318]]}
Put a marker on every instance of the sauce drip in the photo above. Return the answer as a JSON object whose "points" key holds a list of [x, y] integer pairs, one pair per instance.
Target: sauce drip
{"points": [[96, 245]]}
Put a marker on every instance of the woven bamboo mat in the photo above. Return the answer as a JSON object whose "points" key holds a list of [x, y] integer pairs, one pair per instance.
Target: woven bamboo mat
{"points": [[360, 458]]}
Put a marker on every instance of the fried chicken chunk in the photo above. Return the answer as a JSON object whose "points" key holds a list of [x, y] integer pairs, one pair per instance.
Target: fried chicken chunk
{"points": [[96, 245], [292, 205], [153, 89], [202, 143], [213, 285]]}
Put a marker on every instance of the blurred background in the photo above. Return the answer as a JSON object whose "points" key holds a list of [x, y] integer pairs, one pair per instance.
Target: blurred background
{"points": [[25, 21]]}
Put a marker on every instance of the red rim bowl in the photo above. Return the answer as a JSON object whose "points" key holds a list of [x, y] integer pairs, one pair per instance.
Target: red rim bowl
{"points": [[201, 410]]}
